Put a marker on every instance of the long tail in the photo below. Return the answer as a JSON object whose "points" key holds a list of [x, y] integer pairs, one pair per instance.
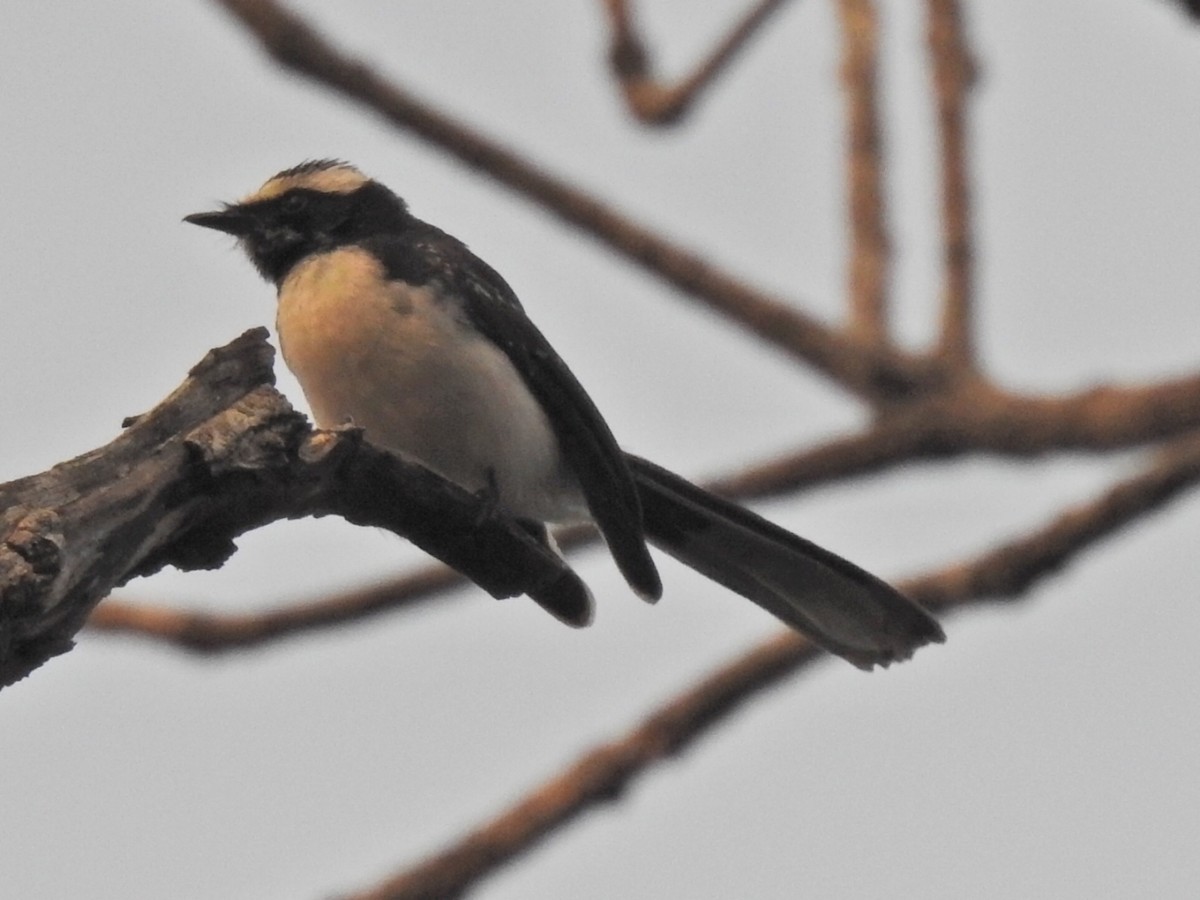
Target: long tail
{"points": [[841, 607]]}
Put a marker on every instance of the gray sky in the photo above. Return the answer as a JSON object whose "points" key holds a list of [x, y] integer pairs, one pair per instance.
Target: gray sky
{"points": [[1047, 750]]}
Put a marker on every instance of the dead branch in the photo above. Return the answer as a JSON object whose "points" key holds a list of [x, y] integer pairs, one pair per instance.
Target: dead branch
{"points": [[223, 454], [653, 101], [603, 774]]}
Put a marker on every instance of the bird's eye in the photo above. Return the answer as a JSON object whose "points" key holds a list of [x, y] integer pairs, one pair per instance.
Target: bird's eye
{"points": [[294, 203]]}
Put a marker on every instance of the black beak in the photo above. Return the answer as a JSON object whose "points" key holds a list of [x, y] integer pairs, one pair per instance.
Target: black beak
{"points": [[231, 221]]}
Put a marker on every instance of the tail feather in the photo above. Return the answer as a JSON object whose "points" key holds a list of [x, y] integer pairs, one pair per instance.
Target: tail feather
{"points": [[841, 607]]}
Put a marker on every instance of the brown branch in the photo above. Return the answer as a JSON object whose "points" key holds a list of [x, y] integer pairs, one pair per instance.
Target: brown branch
{"points": [[953, 74], [976, 417], [1008, 571], [980, 417], [210, 633], [652, 101], [870, 246], [606, 772], [223, 454], [857, 366]]}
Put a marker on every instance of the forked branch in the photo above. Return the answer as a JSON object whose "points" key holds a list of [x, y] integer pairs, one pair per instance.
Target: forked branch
{"points": [[653, 101]]}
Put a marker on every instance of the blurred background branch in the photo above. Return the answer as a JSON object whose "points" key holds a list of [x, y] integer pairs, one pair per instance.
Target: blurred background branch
{"points": [[648, 98]]}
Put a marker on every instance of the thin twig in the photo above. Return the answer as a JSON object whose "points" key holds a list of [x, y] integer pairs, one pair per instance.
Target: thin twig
{"points": [[648, 98], [603, 774], [211, 633], [953, 73], [870, 246], [859, 367], [1009, 570]]}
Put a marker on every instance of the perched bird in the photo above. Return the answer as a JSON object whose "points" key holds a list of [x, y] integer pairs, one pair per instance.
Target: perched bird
{"points": [[392, 324]]}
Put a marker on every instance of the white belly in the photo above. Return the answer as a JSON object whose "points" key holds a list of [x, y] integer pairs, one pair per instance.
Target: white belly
{"points": [[400, 363]]}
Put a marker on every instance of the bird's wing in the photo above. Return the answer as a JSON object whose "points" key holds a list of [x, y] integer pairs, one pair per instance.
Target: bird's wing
{"points": [[590, 449], [587, 443]]}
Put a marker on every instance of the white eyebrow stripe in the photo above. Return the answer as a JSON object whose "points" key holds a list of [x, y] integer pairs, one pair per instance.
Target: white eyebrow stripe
{"points": [[334, 180]]}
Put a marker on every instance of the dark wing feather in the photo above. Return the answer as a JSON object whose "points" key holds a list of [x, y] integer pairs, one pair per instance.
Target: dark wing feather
{"points": [[590, 449]]}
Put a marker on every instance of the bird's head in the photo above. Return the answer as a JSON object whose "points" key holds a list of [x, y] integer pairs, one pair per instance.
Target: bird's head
{"points": [[312, 207]]}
